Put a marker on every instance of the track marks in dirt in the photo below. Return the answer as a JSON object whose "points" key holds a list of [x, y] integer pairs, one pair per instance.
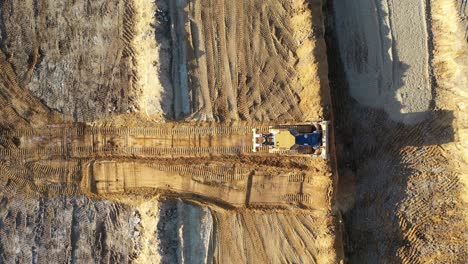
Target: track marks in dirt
{"points": [[64, 228], [20, 109], [76, 57], [227, 183], [405, 186], [285, 236], [128, 54], [223, 181], [427, 205], [234, 70]]}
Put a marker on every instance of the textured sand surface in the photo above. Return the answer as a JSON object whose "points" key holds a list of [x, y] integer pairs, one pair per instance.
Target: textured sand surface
{"points": [[284, 237], [384, 46], [398, 72], [123, 68], [405, 181], [247, 60], [75, 56]]}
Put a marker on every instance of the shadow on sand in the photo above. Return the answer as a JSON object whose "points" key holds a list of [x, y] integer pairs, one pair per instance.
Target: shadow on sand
{"points": [[374, 152]]}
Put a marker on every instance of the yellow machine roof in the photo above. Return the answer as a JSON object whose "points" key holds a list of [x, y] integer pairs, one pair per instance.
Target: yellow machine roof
{"points": [[284, 140]]}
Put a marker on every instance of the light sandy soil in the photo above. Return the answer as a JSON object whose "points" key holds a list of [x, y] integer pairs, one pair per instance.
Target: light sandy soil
{"points": [[451, 69], [81, 230], [74, 229], [284, 237], [384, 46], [150, 54], [399, 106], [184, 233]]}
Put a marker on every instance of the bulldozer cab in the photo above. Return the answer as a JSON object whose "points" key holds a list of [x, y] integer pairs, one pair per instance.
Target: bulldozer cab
{"points": [[289, 139]]}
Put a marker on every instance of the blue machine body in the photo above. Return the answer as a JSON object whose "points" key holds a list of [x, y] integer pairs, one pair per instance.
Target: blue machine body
{"points": [[313, 139]]}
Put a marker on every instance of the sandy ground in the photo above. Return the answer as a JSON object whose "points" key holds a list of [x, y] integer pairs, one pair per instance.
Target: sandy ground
{"points": [[384, 46], [285, 237], [407, 203], [130, 63], [247, 60], [74, 229], [184, 233], [81, 230], [401, 135], [150, 54], [451, 69], [171, 59]]}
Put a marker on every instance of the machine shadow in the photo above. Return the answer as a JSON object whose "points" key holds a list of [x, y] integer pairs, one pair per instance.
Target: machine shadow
{"points": [[369, 147]]}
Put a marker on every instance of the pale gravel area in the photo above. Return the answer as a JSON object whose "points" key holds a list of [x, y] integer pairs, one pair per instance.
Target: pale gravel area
{"points": [[384, 48]]}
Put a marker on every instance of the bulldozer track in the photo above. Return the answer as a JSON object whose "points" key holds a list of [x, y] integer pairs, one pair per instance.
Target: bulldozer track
{"points": [[89, 151], [167, 141], [137, 131], [300, 198], [296, 177], [302, 177], [68, 173]]}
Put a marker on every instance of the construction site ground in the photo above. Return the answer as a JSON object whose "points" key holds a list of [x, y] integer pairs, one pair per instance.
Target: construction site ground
{"points": [[126, 131], [137, 102]]}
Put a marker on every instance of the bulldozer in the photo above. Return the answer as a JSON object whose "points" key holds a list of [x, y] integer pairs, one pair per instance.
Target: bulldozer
{"points": [[309, 139]]}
